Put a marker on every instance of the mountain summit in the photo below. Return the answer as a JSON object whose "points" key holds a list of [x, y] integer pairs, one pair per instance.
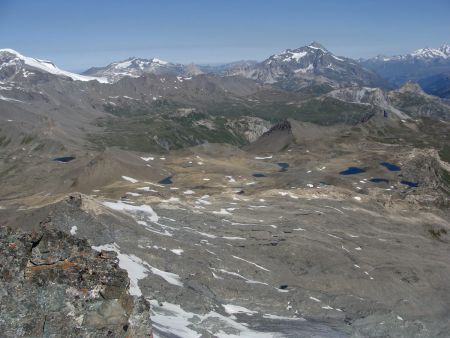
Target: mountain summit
{"points": [[316, 44], [15, 66], [307, 65], [136, 67]]}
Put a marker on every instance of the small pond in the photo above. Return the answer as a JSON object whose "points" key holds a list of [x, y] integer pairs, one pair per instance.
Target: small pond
{"points": [[64, 159], [352, 171], [390, 166], [410, 184], [167, 180], [283, 165]]}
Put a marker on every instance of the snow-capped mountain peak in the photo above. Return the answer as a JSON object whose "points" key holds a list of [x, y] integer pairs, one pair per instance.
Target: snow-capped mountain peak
{"points": [[418, 65], [306, 54], [161, 62], [136, 67], [133, 63], [424, 54], [310, 64], [13, 63], [445, 48], [430, 53], [316, 45]]}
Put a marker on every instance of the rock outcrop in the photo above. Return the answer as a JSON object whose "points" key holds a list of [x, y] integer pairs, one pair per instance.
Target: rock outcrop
{"points": [[277, 138], [54, 284]]}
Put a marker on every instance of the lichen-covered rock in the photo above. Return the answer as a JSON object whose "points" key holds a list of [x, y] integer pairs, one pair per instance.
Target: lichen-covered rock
{"points": [[53, 284]]}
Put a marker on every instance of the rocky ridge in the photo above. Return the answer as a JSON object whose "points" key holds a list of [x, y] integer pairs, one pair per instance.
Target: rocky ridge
{"points": [[54, 284]]}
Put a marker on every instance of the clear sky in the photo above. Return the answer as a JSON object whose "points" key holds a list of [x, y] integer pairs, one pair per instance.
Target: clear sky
{"points": [[77, 34]]}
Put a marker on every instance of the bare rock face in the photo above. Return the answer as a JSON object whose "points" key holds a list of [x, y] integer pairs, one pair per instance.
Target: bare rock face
{"points": [[278, 137], [251, 127], [424, 166], [54, 284]]}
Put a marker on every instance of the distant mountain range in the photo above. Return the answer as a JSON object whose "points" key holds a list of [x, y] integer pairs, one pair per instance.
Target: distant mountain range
{"points": [[313, 64], [292, 69], [423, 65], [423, 54]]}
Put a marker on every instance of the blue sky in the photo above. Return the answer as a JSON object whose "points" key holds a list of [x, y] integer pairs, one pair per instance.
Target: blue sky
{"points": [[79, 34]]}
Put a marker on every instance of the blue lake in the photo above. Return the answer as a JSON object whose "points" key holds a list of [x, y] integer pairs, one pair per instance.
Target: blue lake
{"points": [[167, 180], [352, 171], [259, 175], [390, 166], [410, 184], [64, 159]]}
